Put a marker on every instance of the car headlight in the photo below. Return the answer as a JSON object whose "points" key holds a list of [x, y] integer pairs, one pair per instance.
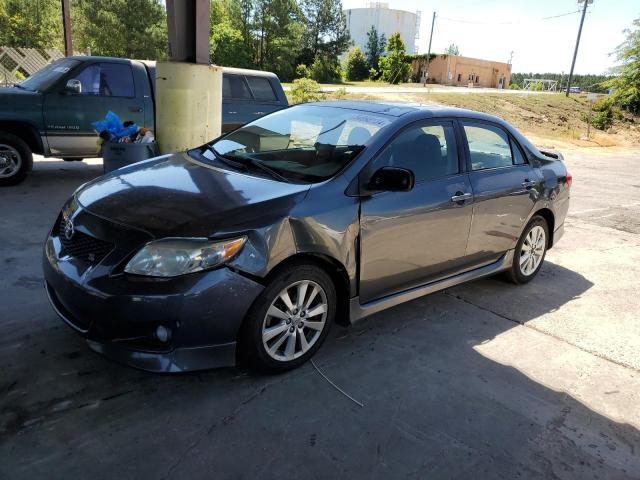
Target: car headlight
{"points": [[171, 257]]}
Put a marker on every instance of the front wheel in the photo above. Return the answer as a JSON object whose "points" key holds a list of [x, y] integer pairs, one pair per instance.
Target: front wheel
{"points": [[530, 251], [290, 319], [16, 159]]}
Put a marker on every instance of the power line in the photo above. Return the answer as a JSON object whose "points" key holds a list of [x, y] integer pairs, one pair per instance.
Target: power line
{"points": [[511, 22]]}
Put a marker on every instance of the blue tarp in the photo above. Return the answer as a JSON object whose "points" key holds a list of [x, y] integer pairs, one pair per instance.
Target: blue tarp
{"points": [[114, 126]]}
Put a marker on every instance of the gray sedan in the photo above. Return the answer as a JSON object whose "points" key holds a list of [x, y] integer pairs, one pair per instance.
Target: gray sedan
{"points": [[248, 248]]}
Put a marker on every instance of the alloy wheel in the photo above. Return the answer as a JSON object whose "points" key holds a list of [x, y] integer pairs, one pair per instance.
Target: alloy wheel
{"points": [[532, 250], [295, 320], [10, 161]]}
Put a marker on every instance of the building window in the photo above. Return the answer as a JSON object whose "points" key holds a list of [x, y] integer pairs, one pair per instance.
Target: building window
{"points": [[459, 77], [477, 79]]}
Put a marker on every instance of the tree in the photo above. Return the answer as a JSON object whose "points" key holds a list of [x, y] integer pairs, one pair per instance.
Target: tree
{"points": [[376, 45], [326, 69], [394, 67], [626, 85], [121, 28], [227, 47], [452, 50], [326, 33], [357, 68], [31, 23]]}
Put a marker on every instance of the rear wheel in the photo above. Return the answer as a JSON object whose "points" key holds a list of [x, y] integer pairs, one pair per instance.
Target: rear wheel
{"points": [[16, 160], [290, 320], [530, 251]]}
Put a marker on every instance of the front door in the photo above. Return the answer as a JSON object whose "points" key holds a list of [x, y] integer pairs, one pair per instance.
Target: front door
{"points": [[505, 189], [411, 238], [68, 116]]}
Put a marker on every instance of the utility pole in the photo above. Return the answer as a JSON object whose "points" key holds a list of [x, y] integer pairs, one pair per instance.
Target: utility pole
{"points": [[426, 74], [66, 26], [575, 52]]}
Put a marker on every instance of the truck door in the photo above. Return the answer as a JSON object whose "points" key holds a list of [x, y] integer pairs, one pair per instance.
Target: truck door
{"points": [[68, 116], [265, 97], [237, 103]]}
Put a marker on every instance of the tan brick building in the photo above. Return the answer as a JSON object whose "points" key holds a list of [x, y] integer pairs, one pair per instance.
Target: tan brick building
{"points": [[464, 71]]}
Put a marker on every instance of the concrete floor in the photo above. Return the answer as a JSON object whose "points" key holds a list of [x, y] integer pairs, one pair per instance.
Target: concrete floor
{"points": [[485, 380]]}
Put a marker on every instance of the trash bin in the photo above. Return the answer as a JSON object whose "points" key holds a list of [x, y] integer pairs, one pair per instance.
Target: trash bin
{"points": [[116, 155]]}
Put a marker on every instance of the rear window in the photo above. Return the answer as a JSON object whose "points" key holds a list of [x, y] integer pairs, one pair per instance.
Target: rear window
{"points": [[261, 88], [234, 86]]}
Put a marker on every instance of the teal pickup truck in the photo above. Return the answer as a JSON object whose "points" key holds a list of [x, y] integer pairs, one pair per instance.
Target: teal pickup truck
{"points": [[50, 113]]}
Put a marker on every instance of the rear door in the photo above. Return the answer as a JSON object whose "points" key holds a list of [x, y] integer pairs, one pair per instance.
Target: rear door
{"points": [[237, 102], [412, 238], [264, 94], [505, 189], [68, 117]]}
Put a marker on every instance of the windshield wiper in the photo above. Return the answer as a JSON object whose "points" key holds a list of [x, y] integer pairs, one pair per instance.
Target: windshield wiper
{"points": [[263, 167], [241, 163], [17, 85]]}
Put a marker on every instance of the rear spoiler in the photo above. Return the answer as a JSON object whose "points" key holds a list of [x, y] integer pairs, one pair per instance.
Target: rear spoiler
{"points": [[556, 155]]}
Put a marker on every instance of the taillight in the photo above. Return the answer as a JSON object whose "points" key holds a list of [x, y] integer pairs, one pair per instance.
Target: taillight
{"points": [[569, 179]]}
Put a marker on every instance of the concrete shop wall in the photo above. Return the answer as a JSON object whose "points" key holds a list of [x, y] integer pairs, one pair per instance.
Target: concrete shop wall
{"points": [[386, 20], [461, 71]]}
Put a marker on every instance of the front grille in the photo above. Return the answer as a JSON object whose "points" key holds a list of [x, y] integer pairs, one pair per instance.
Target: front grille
{"points": [[84, 247]]}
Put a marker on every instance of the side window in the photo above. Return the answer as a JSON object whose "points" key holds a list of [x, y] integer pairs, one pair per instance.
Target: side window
{"points": [[488, 146], [234, 86], [261, 88], [107, 80], [90, 80], [518, 156], [428, 150], [116, 80]]}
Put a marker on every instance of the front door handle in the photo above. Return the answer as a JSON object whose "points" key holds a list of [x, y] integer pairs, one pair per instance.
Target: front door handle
{"points": [[461, 197], [528, 184], [135, 109]]}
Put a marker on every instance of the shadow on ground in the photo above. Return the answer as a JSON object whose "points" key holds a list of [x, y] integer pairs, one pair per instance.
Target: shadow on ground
{"points": [[434, 407]]}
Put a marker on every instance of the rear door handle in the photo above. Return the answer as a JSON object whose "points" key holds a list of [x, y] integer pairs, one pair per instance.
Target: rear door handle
{"points": [[461, 197], [528, 183], [135, 109]]}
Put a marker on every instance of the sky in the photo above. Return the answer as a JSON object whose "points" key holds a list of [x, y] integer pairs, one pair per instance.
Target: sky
{"points": [[492, 29]]}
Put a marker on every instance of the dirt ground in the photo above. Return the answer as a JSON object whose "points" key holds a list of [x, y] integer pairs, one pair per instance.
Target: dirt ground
{"points": [[484, 380]]}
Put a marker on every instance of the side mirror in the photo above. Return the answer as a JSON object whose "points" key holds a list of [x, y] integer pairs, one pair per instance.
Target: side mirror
{"points": [[392, 179], [73, 86]]}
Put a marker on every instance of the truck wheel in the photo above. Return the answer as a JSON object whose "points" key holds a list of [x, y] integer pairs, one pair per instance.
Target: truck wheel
{"points": [[16, 160]]}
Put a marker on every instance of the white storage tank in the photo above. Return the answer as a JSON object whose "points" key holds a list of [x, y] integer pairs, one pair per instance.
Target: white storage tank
{"points": [[386, 20]]}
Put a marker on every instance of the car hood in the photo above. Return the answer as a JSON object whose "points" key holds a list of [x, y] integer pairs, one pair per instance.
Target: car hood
{"points": [[174, 195]]}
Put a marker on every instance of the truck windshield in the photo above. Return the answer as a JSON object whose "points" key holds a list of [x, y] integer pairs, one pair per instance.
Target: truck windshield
{"points": [[307, 143], [46, 77]]}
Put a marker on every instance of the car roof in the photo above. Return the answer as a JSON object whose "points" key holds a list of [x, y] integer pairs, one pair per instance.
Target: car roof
{"points": [[397, 109], [152, 64]]}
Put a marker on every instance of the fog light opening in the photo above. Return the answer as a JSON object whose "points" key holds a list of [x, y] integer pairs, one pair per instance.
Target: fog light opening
{"points": [[163, 334]]}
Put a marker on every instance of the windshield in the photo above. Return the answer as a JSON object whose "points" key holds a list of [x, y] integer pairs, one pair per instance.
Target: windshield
{"points": [[46, 77], [307, 143]]}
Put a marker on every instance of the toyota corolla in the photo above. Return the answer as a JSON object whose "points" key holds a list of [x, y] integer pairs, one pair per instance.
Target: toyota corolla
{"points": [[251, 246]]}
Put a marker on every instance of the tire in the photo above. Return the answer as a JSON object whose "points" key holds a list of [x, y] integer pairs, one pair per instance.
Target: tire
{"points": [[273, 351], [16, 160], [526, 266]]}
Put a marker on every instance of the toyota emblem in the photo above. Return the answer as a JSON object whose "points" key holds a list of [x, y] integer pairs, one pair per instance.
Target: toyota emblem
{"points": [[68, 229]]}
